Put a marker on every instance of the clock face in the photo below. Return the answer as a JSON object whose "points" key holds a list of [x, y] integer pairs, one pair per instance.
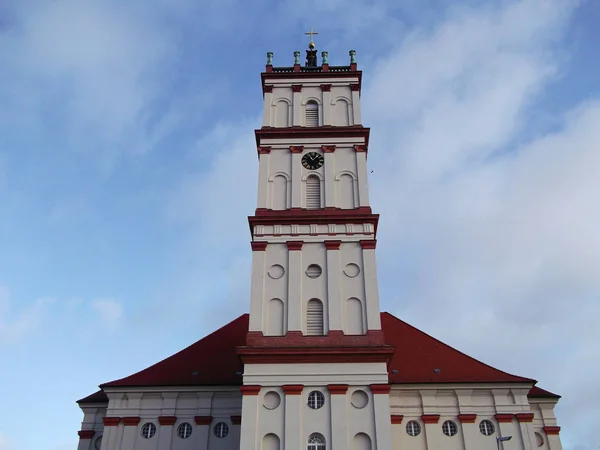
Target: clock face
{"points": [[312, 160]]}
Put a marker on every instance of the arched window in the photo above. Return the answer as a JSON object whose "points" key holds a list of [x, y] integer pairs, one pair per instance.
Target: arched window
{"points": [[312, 114], [313, 192], [315, 442], [314, 318]]}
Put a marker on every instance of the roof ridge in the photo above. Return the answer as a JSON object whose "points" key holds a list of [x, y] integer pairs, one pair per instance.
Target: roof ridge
{"points": [[457, 351]]}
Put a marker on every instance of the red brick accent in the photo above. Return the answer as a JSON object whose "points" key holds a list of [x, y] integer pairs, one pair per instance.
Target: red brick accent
{"points": [[396, 418], [259, 246], [333, 245], [295, 245], [360, 148], [320, 355], [335, 338], [504, 418], [353, 67], [355, 87], [430, 418], [524, 417], [369, 244], [328, 148], [236, 420], [269, 68], [296, 148], [552, 430], [293, 389], [326, 87], [86, 434], [358, 132], [296, 67], [131, 421], [111, 421], [250, 390], [268, 87], [264, 150], [467, 418], [335, 389], [296, 88], [325, 67], [205, 420], [167, 420], [381, 388]]}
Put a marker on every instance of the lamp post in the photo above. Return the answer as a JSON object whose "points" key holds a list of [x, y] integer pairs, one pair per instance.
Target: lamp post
{"points": [[502, 439]]}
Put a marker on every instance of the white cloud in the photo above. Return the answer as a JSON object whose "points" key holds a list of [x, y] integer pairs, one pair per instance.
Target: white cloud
{"points": [[5, 443], [16, 326], [109, 310]]}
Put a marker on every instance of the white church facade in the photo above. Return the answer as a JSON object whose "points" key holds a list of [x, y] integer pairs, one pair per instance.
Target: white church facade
{"points": [[315, 365]]}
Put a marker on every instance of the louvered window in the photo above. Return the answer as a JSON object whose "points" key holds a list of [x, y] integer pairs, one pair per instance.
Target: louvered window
{"points": [[313, 193], [314, 318], [312, 114]]}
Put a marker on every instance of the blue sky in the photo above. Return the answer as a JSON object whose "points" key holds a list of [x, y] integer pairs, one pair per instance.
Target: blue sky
{"points": [[128, 167]]}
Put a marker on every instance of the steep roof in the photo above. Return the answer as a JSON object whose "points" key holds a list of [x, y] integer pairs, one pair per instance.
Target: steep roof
{"points": [[418, 358]]}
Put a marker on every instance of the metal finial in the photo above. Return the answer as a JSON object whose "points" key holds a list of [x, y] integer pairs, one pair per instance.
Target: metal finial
{"points": [[325, 57], [296, 57], [311, 44], [269, 58], [352, 54]]}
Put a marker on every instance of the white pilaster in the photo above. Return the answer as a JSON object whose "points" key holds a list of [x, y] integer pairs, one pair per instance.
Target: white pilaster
{"points": [[296, 177], [327, 106], [295, 312], [469, 433], [383, 424], [248, 437], [85, 442], [334, 293], [257, 287], [329, 175], [111, 439], [130, 432], [371, 288], [361, 169], [356, 116], [165, 434], [297, 108], [200, 434], [267, 108], [339, 419], [263, 177], [293, 411], [554, 442]]}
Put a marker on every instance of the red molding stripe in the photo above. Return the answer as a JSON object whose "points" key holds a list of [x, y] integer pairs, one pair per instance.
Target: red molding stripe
{"points": [[467, 418], [296, 88], [250, 389], [295, 245], [328, 148], [86, 434], [430, 418], [131, 421], [355, 87], [203, 420], [360, 148], [296, 148], [381, 388], [259, 246], [524, 417], [396, 419], [326, 87], [333, 245], [369, 244], [111, 421], [293, 389], [552, 430], [236, 420], [335, 389], [504, 418], [167, 420], [264, 150]]}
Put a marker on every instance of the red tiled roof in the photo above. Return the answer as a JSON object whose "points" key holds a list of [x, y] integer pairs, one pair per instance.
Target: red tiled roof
{"points": [[538, 392], [418, 358], [96, 397]]}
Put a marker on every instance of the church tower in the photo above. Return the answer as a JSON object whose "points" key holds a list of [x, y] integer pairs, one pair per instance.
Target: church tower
{"points": [[315, 361]]}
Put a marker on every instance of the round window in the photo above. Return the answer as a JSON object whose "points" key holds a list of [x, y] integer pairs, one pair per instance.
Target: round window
{"points": [[184, 430], [413, 428], [316, 399], [486, 427], [313, 271], [221, 430], [148, 430], [449, 428], [359, 399], [98, 443], [272, 400]]}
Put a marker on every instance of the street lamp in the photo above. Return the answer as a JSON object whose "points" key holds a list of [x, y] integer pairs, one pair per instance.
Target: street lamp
{"points": [[502, 439]]}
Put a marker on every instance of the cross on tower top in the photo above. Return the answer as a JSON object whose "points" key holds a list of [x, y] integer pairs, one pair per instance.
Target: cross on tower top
{"points": [[311, 44]]}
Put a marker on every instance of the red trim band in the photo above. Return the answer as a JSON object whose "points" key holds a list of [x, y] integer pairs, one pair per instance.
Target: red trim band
{"points": [[131, 421], [293, 389], [259, 246], [304, 355], [167, 420], [524, 417], [295, 245], [396, 418], [86, 434], [203, 420], [360, 148], [333, 245], [551, 430], [467, 418], [268, 88], [264, 150], [430, 418], [293, 133], [296, 88], [250, 389], [504, 418], [381, 388], [369, 244], [111, 421], [337, 389], [328, 148], [296, 148]]}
